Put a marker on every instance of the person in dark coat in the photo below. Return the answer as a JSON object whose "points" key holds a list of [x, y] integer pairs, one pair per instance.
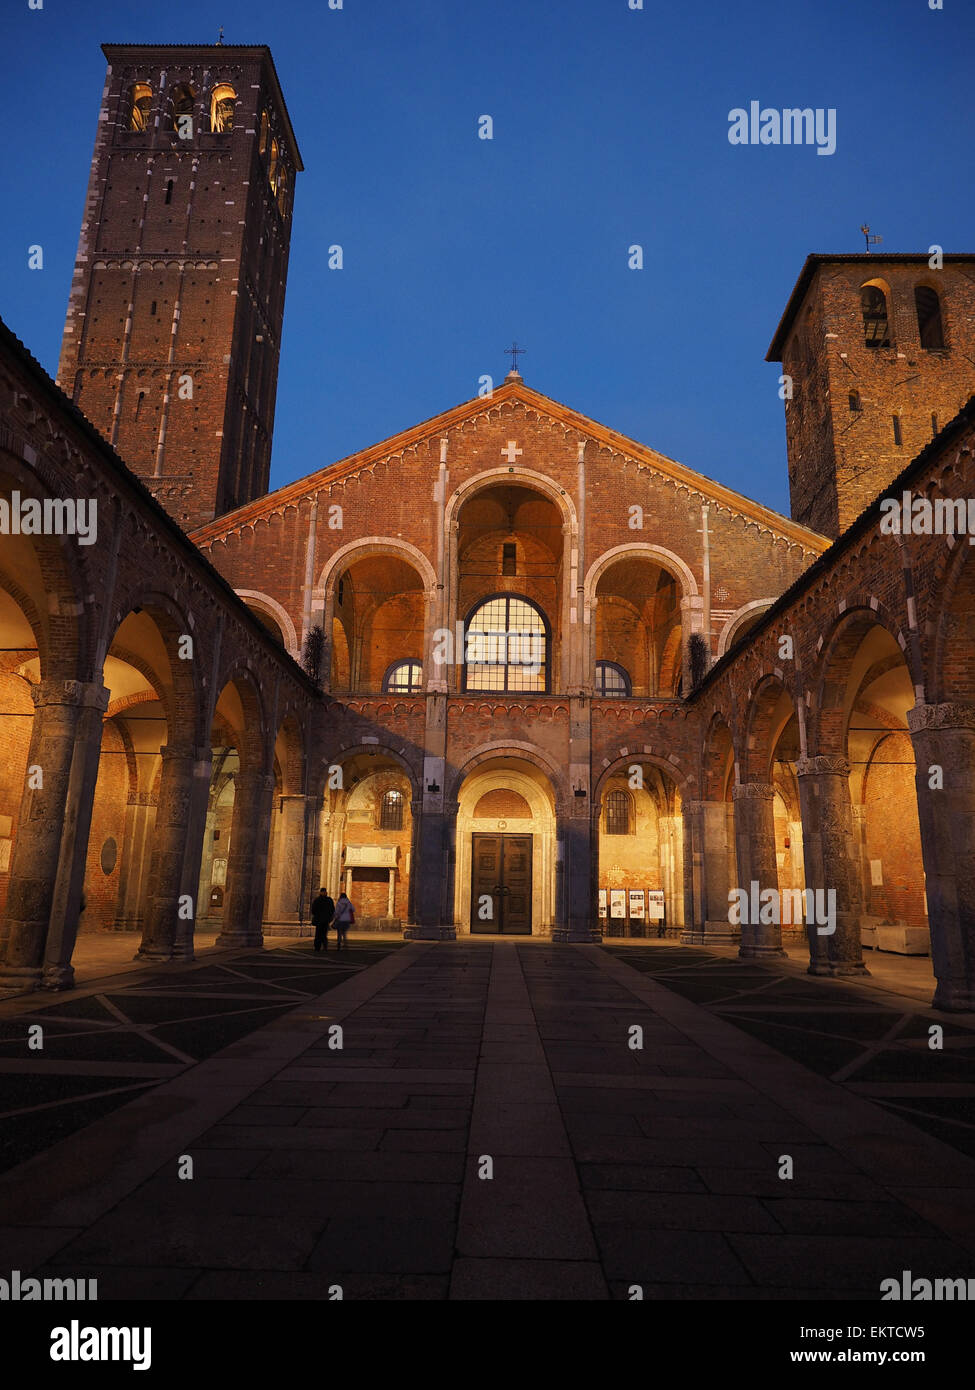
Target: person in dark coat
{"points": [[322, 912]]}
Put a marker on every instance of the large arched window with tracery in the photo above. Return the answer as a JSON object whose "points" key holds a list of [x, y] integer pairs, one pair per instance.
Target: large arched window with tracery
{"points": [[507, 646]]}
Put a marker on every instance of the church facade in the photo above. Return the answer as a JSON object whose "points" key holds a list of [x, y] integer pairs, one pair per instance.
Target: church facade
{"points": [[507, 672]]}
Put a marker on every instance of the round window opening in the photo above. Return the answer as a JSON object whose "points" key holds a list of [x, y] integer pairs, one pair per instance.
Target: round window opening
{"points": [[109, 855]]}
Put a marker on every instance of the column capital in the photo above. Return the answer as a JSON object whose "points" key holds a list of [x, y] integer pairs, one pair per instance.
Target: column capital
{"points": [[253, 781], [753, 791], [83, 694], [174, 751], [953, 715], [823, 763]]}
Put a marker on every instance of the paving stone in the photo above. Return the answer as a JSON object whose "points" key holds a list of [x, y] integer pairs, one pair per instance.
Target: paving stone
{"points": [[802, 1216], [508, 1280], [847, 1262], [635, 1253], [679, 1211], [377, 1167], [375, 1245], [636, 1177], [274, 1285]]}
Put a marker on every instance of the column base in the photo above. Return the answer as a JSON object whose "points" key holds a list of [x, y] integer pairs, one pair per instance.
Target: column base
{"points": [[719, 935], [954, 999], [760, 952], [430, 933], [19, 979], [58, 977], [848, 968], [153, 954], [237, 939], [819, 967], [183, 950], [572, 936]]}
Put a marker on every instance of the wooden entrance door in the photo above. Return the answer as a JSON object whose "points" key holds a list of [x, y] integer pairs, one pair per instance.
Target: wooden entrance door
{"points": [[501, 884]]}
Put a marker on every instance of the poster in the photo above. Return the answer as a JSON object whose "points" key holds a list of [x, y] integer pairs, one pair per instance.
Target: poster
{"points": [[602, 902], [655, 905], [617, 902], [637, 897]]}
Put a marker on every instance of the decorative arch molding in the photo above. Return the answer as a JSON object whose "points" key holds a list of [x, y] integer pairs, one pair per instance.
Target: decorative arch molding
{"points": [[353, 748], [372, 545], [866, 611], [672, 765], [273, 609], [709, 753], [544, 804], [249, 687], [737, 618], [763, 695], [528, 477], [509, 748], [943, 609], [172, 622], [640, 550]]}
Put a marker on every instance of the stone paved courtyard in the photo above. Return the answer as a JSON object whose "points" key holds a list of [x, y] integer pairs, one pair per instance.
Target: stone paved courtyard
{"points": [[366, 1167]]}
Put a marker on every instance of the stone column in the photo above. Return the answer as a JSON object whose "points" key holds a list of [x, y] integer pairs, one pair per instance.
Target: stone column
{"points": [[944, 753], [755, 853], [72, 860], [178, 836], [65, 739], [244, 899], [707, 873], [433, 868], [831, 866], [140, 816], [196, 830], [286, 859], [574, 828]]}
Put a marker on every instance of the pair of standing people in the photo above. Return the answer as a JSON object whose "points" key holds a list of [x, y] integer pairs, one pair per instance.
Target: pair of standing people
{"points": [[325, 912]]}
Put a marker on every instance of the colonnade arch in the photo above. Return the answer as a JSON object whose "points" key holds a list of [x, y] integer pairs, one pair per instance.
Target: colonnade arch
{"points": [[639, 841], [367, 837]]}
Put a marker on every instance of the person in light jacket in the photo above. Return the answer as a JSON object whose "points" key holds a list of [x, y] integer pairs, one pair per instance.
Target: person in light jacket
{"points": [[344, 919]]}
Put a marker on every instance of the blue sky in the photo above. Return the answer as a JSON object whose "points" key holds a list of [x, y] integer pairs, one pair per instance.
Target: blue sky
{"points": [[610, 128]]}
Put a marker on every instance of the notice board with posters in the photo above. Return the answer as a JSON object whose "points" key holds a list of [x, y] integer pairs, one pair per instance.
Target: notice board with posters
{"points": [[603, 908], [637, 903], [617, 902], [655, 905]]}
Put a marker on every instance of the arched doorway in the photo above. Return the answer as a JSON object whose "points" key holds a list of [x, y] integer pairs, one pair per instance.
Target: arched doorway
{"points": [[367, 836], [639, 852], [506, 850]]}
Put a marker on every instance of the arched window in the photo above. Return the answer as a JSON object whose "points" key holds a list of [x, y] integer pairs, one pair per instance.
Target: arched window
{"points": [[282, 189], [403, 678], [619, 813], [222, 104], [141, 101], [264, 132], [612, 680], [272, 164], [929, 325], [507, 646], [873, 303], [184, 99], [391, 810]]}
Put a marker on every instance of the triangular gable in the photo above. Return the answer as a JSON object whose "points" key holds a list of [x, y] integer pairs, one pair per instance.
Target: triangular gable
{"points": [[511, 392]]}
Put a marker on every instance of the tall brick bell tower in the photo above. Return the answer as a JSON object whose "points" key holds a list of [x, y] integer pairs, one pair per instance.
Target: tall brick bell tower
{"points": [[173, 330], [881, 352]]}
